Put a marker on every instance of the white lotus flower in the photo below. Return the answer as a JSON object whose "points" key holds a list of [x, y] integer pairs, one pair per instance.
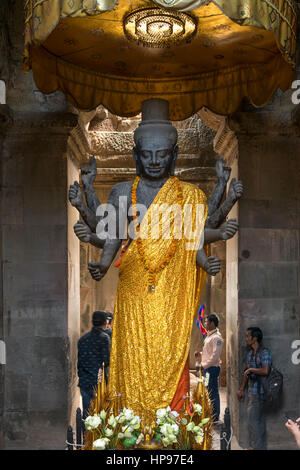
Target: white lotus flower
{"points": [[198, 408], [175, 428], [161, 413], [103, 414], [92, 422], [135, 422], [99, 444], [166, 441], [128, 414], [112, 421], [108, 432]]}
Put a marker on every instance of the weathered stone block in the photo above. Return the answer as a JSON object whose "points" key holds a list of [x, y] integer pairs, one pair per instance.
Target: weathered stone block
{"points": [[279, 214], [45, 205], [258, 244], [268, 279]]}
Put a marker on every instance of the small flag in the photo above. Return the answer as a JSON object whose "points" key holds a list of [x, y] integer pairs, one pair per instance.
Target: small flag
{"points": [[200, 316]]}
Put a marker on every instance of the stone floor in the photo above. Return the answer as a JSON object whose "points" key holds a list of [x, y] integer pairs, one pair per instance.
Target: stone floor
{"points": [[216, 432]]}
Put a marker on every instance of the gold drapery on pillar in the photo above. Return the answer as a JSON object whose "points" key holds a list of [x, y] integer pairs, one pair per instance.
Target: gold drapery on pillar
{"points": [[241, 48]]}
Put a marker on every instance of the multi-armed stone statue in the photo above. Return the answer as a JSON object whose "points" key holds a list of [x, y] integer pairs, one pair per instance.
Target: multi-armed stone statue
{"points": [[160, 277]]}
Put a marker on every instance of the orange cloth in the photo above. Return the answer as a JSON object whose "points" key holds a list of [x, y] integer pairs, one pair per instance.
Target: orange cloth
{"points": [[182, 389]]}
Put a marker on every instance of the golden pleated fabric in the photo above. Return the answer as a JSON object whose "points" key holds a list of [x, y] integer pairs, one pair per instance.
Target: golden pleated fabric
{"points": [[151, 334]]}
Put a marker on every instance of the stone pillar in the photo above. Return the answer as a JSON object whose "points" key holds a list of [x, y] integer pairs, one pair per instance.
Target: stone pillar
{"points": [[263, 270], [5, 122], [40, 283]]}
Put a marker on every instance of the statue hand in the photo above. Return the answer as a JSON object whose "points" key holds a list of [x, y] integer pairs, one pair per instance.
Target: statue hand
{"points": [[89, 172], [222, 170], [212, 265], [75, 195], [229, 229], [97, 270], [235, 191], [82, 231]]}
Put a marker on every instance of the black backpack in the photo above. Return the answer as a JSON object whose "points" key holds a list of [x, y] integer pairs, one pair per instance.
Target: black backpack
{"points": [[272, 385]]}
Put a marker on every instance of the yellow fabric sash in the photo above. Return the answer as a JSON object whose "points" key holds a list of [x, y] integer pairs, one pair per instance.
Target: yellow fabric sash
{"points": [[152, 330]]}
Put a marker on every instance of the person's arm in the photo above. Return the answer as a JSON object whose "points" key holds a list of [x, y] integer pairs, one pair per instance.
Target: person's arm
{"points": [[265, 370], [245, 378]]}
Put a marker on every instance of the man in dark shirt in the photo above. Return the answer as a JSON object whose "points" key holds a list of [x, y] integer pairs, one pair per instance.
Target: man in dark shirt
{"points": [[93, 351]]}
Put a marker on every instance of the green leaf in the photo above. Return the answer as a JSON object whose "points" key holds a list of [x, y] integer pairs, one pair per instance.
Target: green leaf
{"points": [[157, 436], [128, 441]]}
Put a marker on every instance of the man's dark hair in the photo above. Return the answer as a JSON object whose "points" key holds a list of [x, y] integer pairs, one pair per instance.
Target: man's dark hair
{"points": [[256, 333], [99, 318], [214, 318]]}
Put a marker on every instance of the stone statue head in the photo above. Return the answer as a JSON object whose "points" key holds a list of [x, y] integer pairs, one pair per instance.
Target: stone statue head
{"points": [[155, 150]]}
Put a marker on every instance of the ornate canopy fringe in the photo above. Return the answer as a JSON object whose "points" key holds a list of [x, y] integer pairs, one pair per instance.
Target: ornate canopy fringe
{"points": [[241, 48]]}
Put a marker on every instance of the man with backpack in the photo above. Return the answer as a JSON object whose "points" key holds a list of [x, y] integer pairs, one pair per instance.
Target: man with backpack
{"points": [[258, 366]]}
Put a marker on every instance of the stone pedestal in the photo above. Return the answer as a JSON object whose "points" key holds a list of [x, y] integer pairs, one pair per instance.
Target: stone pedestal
{"points": [[40, 283], [263, 263]]}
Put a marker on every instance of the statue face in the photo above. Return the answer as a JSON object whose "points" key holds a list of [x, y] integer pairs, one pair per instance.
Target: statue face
{"points": [[155, 155]]}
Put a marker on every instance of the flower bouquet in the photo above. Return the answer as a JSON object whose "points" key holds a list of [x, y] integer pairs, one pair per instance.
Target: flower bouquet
{"points": [[109, 430], [180, 431]]}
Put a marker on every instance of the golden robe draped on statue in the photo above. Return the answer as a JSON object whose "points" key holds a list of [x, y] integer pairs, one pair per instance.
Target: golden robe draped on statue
{"points": [[152, 330]]}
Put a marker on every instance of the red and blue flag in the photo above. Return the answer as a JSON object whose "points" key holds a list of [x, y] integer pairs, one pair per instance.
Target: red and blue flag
{"points": [[200, 317]]}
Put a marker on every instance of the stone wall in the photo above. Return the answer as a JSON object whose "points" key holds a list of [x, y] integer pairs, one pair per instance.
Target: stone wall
{"points": [[263, 277]]}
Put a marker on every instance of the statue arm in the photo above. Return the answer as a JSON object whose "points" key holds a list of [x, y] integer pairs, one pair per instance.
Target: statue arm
{"points": [[88, 176], [225, 232], [223, 172], [234, 193], [76, 199], [210, 264], [215, 199], [113, 243]]}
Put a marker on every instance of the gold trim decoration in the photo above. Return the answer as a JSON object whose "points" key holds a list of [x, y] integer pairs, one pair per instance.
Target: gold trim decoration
{"points": [[154, 27]]}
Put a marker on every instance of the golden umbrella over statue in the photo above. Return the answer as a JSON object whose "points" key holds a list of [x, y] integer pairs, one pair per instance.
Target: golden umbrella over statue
{"points": [[118, 55]]}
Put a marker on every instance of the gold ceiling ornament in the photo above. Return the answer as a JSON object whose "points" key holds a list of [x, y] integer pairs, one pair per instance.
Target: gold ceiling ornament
{"points": [[155, 27]]}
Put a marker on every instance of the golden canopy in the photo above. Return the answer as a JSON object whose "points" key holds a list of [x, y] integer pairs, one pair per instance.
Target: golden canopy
{"points": [[225, 50]]}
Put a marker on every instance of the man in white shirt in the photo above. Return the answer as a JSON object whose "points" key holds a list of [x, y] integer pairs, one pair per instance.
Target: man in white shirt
{"points": [[211, 362]]}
